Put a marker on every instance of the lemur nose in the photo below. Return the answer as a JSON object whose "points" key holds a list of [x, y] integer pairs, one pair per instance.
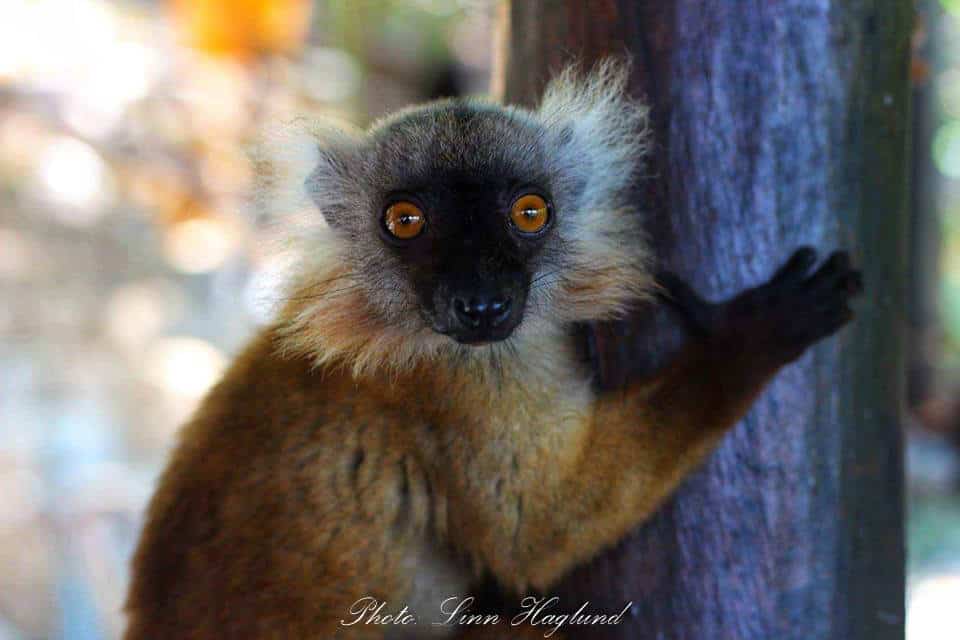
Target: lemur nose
{"points": [[477, 311]]}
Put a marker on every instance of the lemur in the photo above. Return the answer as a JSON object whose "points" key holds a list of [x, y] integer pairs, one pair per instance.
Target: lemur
{"points": [[417, 414]]}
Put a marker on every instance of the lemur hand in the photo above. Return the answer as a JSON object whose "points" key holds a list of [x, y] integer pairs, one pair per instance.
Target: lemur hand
{"points": [[793, 310]]}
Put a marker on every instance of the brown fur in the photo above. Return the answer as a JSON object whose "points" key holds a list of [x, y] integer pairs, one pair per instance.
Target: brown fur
{"points": [[297, 490]]}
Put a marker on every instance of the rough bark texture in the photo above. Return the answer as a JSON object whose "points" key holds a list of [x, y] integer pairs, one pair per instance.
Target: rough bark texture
{"points": [[778, 124]]}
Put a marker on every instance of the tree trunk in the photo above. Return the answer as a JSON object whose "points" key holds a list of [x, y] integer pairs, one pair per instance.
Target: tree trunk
{"points": [[778, 124]]}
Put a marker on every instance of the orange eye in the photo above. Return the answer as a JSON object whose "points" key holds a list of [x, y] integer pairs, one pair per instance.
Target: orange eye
{"points": [[404, 220], [529, 213]]}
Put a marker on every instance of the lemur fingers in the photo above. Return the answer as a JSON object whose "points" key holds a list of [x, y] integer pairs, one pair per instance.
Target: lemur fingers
{"points": [[794, 309]]}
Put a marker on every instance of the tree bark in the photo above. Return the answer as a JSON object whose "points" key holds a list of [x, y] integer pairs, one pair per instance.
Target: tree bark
{"points": [[777, 124]]}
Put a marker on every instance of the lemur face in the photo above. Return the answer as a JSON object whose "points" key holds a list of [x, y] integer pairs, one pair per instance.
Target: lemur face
{"points": [[464, 209], [471, 222], [468, 261]]}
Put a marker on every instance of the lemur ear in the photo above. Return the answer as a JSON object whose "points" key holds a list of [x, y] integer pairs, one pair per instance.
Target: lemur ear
{"points": [[333, 182], [600, 133], [304, 165]]}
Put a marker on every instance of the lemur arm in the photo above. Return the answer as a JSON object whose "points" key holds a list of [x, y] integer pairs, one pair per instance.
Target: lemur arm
{"points": [[630, 466]]}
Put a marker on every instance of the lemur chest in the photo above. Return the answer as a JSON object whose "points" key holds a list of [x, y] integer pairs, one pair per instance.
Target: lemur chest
{"points": [[492, 467], [513, 449]]}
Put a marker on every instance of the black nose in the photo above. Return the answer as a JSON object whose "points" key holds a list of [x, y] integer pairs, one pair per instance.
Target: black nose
{"points": [[482, 311]]}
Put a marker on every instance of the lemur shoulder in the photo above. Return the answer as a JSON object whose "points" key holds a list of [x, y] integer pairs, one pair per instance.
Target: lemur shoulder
{"points": [[416, 416]]}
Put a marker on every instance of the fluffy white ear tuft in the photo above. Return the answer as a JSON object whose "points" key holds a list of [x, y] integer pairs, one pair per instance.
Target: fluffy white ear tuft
{"points": [[283, 156], [295, 160], [598, 138], [596, 100], [600, 128], [303, 165]]}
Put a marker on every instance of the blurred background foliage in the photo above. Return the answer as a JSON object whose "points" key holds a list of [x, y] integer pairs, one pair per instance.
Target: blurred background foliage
{"points": [[133, 262]]}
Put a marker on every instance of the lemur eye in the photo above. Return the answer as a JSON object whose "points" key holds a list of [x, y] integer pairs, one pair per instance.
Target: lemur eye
{"points": [[404, 220], [529, 213]]}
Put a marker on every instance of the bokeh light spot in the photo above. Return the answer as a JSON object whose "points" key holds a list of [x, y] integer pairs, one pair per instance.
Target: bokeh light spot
{"points": [[136, 313], [946, 149], [184, 365], [75, 177], [198, 245]]}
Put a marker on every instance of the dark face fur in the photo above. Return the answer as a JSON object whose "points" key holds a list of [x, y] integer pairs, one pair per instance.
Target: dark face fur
{"points": [[471, 275], [470, 266]]}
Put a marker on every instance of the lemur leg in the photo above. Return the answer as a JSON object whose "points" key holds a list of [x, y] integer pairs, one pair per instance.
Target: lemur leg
{"points": [[645, 439]]}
